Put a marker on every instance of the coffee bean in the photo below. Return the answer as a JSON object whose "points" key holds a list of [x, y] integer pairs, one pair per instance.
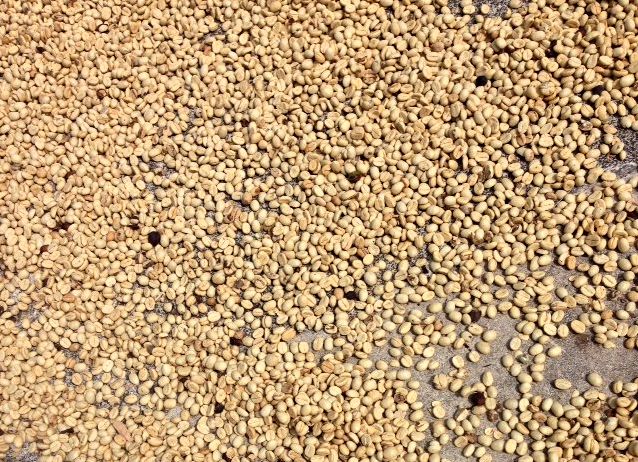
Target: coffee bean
{"points": [[351, 295], [477, 398], [154, 238], [475, 315]]}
